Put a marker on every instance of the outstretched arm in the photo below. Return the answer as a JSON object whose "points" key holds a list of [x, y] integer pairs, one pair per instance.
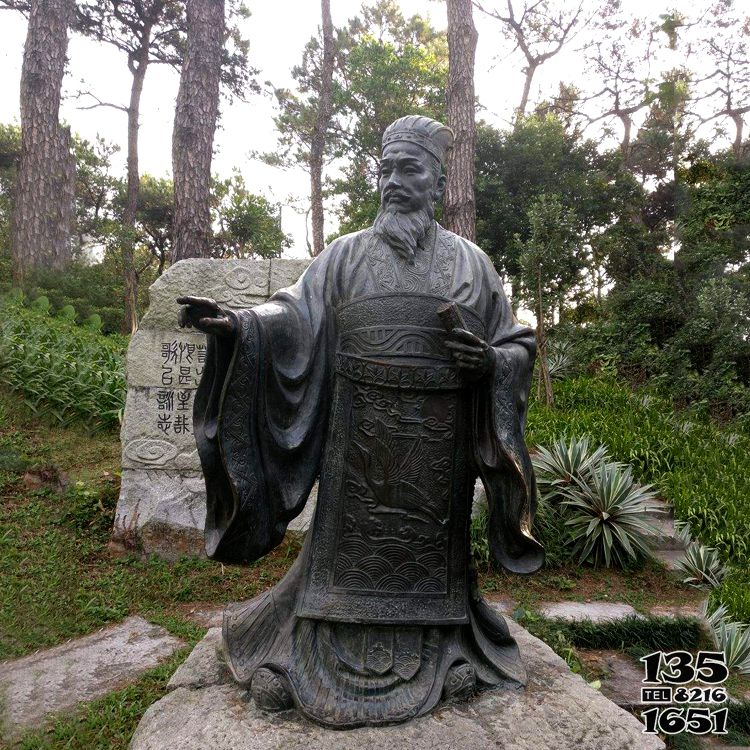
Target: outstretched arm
{"points": [[205, 314]]}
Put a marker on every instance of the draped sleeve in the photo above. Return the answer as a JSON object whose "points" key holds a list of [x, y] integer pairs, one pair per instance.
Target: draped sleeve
{"points": [[500, 407], [260, 415]]}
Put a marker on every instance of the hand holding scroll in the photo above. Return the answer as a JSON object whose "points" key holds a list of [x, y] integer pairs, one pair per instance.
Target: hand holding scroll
{"points": [[472, 354]]}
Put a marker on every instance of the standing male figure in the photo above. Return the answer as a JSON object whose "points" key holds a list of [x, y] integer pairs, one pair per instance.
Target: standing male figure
{"points": [[352, 376]]}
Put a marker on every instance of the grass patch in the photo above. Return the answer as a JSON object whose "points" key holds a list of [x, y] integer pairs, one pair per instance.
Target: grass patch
{"points": [[58, 578], [642, 587], [702, 470], [651, 633]]}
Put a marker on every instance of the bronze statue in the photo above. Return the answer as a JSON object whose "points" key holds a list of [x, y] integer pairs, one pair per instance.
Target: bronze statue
{"points": [[395, 372]]}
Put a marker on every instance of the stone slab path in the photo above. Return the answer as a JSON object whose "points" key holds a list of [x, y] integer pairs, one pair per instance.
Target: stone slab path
{"points": [[594, 611], [622, 679], [557, 709], [57, 679]]}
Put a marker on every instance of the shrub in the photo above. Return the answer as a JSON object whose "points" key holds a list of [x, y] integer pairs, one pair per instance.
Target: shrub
{"points": [[652, 633], [91, 289], [701, 566], [733, 638], [61, 370], [606, 516], [564, 463]]}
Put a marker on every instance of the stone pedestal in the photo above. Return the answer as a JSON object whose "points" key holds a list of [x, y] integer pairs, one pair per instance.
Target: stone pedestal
{"points": [[556, 711], [162, 504]]}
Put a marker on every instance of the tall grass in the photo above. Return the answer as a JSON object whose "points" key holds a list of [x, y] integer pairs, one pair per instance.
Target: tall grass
{"points": [[702, 470], [62, 370]]}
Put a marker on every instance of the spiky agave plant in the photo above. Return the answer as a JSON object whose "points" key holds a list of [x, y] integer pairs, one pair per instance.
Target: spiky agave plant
{"points": [[606, 516], [701, 566], [560, 359], [564, 463], [733, 638]]}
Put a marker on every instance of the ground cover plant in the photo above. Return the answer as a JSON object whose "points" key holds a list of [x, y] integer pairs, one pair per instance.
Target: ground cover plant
{"points": [[58, 579], [69, 372], [701, 469]]}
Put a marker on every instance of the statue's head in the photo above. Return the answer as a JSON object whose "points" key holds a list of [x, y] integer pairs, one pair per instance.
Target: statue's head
{"points": [[411, 179]]}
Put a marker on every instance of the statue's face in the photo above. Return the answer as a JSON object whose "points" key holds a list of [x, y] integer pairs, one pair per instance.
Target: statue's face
{"points": [[409, 178]]}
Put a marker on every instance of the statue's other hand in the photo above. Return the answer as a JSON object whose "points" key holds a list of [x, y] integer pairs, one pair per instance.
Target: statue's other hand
{"points": [[205, 315], [472, 354]]}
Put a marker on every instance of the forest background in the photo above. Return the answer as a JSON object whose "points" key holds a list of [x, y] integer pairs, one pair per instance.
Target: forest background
{"points": [[615, 205]]}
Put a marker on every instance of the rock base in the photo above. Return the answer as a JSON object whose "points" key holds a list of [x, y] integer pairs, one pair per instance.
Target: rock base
{"points": [[556, 710]]}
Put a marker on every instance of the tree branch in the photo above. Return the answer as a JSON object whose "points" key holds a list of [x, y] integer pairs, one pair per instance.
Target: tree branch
{"points": [[99, 102]]}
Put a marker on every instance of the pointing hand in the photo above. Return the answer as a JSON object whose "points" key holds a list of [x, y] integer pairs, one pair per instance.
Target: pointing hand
{"points": [[205, 315]]}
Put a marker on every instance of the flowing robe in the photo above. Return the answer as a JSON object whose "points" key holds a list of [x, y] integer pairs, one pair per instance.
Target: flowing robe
{"points": [[345, 376]]}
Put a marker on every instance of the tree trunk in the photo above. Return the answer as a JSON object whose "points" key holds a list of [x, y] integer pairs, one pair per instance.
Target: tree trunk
{"points": [[196, 113], [138, 66], [45, 188], [322, 123], [544, 386], [521, 111], [459, 206]]}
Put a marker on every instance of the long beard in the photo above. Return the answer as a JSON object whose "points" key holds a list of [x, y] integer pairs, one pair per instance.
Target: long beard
{"points": [[403, 232]]}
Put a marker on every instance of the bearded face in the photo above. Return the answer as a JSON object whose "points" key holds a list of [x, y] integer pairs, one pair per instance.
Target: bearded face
{"points": [[403, 231], [410, 183]]}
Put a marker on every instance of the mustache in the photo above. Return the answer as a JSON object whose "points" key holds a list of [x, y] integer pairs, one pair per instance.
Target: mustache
{"points": [[389, 192]]}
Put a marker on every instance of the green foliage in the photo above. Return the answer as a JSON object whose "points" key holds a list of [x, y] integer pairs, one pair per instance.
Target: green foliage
{"points": [[551, 258], [560, 359], [733, 638], [67, 312], [90, 508], [10, 150], [248, 225], [590, 506], [94, 322], [479, 536], [61, 370], [652, 633], [95, 191], [606, 516], [563, 464], [550, 530], [703, 471], [734, 592], [701, 566], [93, 289], [386, 66], [540, 157]]}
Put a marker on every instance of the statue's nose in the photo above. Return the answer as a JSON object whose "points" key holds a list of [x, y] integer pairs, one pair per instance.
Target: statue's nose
{"points": [[394, 179]]}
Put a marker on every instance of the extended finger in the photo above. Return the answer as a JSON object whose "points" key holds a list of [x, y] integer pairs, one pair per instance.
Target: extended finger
{"points": [[198, 301], [182, 317]]}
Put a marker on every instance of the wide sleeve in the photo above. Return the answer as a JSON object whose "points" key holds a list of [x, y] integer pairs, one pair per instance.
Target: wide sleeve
{"points": [[500, 407], [260, 416]]}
